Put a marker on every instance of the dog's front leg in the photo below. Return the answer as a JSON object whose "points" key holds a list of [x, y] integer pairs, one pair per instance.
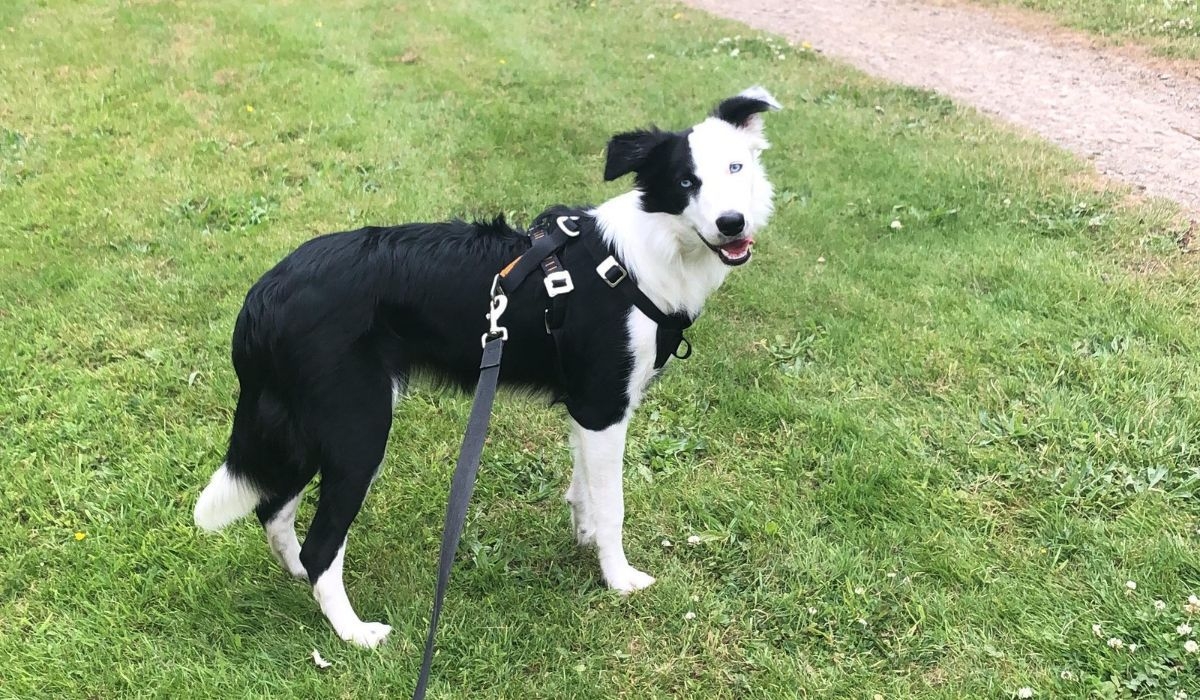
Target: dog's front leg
{"points": [[600, 453]]}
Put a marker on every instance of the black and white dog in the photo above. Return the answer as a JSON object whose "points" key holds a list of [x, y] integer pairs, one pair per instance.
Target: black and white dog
{"points": [[329, 336]]}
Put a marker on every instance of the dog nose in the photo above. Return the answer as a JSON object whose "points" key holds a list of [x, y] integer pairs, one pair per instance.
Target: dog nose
{"points": [[731, 223]]}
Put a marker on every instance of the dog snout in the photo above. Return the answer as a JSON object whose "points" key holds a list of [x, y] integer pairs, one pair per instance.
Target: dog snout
{"points": [[731, 223]]}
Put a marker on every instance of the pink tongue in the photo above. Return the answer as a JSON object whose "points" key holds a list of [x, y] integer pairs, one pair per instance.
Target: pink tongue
{"points": [[737, 248]]}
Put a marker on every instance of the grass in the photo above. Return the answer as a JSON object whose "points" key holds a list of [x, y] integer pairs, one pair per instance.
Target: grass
{"points": [[1169, 28], [922, 461]]}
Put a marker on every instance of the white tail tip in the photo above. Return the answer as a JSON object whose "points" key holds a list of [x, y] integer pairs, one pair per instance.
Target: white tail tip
{"points": [[224, 500]]}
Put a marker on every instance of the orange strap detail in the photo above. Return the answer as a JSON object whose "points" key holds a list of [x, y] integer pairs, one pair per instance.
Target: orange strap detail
{"points": [[508, 268]]}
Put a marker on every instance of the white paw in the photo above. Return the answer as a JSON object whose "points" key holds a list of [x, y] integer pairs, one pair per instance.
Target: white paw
{"points": [[626, 580], [289, 559], [294, 567], [367, 634]]}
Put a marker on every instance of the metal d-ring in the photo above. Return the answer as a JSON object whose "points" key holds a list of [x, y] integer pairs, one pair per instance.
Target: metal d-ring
{"points": [[561, 221]]}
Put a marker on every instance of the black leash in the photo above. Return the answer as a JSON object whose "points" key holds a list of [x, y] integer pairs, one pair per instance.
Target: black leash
{"points": [[542, 254], [463, 484]]}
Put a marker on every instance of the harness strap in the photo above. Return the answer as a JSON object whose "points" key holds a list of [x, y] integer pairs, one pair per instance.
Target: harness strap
{"points": [[558, 282], [461, 488], [669, 337], [542, 253]]}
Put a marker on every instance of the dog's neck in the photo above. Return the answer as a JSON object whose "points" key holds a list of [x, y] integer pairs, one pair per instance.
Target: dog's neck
{"points": [[670, 263]]}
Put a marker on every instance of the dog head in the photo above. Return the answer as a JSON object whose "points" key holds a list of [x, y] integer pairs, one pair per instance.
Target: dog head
{"points": [[709, 176]]}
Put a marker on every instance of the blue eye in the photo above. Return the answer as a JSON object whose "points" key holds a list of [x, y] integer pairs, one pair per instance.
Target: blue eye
{"points": [[685, 184], [735, 167]]}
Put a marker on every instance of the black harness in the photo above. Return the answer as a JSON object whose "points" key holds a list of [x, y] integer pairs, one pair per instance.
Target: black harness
{"points": [[548, 235]]}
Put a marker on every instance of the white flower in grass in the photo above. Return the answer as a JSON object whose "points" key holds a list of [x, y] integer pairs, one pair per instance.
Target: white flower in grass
{"points": [[1191, 647], [1180, 695], [1184, 629], [1193, 600], [694, 539], [1066, 675], [689, 615], [667, 543], [735, 52], [1115, 642], [1096, 630], [1159, 605], [1132, 648], [1025, 692], [812, 611], [1130, 586], [896, 225], [859, 590]]}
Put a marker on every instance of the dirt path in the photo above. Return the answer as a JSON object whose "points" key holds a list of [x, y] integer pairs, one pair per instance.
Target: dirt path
{"points": [[1136, 121]]}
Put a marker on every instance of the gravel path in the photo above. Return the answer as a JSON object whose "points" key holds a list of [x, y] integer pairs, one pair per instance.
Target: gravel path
{"points": [[1135, 120]]}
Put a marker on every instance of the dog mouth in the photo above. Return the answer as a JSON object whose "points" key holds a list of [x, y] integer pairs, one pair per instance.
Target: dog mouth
{"points": [[733, 253]]}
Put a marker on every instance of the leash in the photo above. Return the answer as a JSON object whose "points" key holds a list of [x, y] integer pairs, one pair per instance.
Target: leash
{"points": [[543, 255], [463, 483]]}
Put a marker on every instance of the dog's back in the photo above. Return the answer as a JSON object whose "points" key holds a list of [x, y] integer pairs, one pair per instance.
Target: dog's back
{"points": [[328, 331]]}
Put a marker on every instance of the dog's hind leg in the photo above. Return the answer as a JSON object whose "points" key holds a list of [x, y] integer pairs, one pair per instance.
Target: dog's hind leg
{"points": [[353, 429], [603, 455], [278, 518], [577, 495]]}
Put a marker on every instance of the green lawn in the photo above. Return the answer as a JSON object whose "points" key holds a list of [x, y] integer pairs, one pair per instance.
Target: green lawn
{"points": [[922, 460], [1169, 28]]}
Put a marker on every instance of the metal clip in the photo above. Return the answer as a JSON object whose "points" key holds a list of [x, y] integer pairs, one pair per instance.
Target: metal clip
{"points": [[496, 310], [559, 283], [562, 225]]}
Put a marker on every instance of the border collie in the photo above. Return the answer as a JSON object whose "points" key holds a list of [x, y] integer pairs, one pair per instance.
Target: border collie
{"points": [[327, 339]]}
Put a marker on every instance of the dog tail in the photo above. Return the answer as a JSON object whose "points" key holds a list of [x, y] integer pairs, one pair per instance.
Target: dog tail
{"points": [[227, 498]]}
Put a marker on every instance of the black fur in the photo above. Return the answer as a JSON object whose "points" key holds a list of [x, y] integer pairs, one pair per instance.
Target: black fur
{"points": [[740, 110], [663, 168], [323, 335]]}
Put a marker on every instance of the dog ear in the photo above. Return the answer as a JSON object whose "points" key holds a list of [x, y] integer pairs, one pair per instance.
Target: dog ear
{"points": [[745, 109], [629, 151]]}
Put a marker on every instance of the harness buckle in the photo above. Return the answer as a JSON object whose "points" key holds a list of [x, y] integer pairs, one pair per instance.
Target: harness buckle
{"points": [[562, 225], [610, 263], [496, 309], [559, 283]]}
